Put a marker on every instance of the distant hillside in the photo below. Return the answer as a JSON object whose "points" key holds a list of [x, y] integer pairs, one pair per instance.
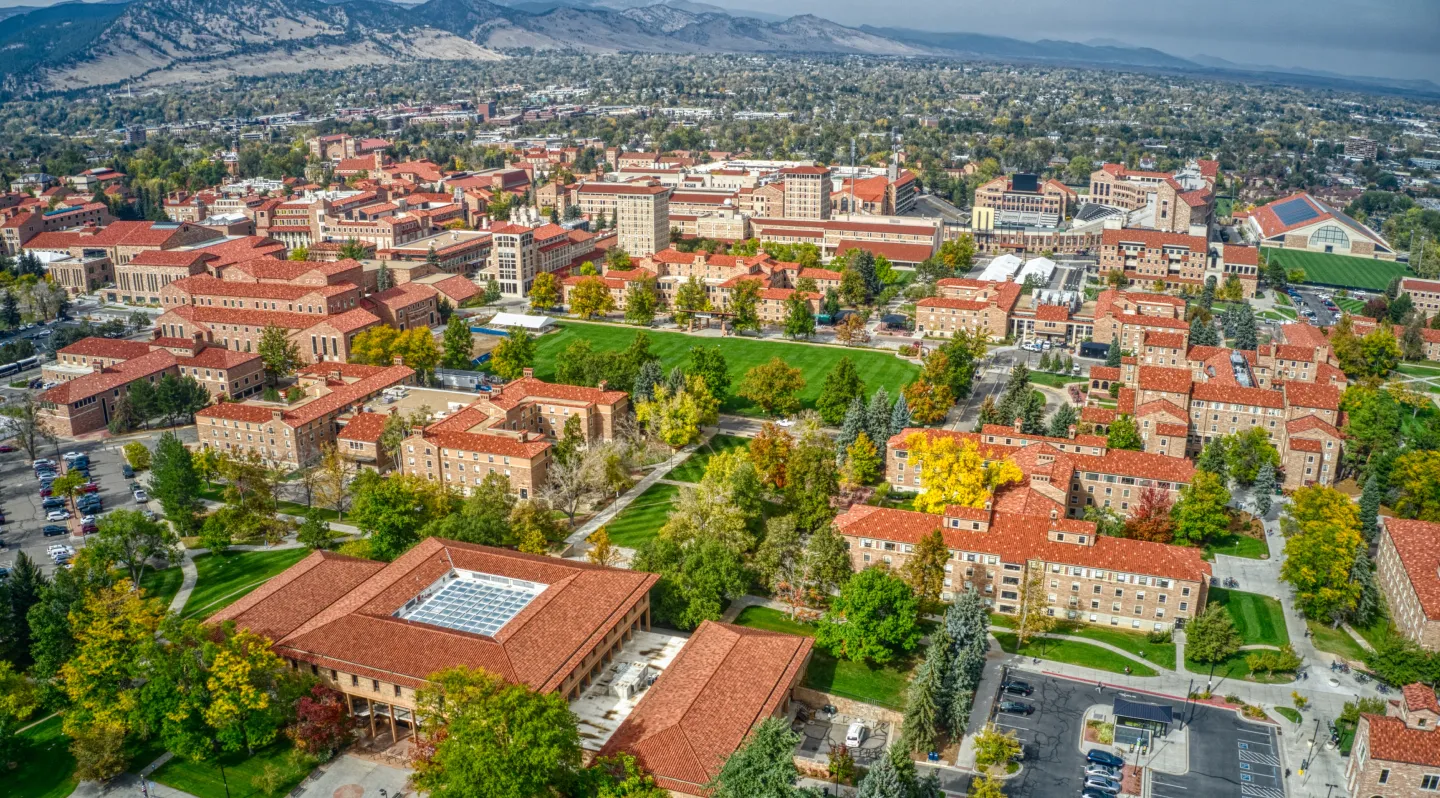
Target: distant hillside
{"points": [[981, 45]]}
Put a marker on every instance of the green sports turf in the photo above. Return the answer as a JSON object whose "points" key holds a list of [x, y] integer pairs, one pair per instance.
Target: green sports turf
{"points": [[1341, 270], [876, 368]]}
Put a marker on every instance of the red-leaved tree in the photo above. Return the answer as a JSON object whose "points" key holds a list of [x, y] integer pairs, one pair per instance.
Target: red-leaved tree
{"points": [[322, 721], [1151, 519]]}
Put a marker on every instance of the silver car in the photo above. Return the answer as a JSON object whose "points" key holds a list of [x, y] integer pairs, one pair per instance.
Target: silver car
{"points": [[1102, 784], [1102, 771]]}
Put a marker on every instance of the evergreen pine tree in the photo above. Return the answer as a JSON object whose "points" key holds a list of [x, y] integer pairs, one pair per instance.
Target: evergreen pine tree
{"points": [[899, 415], [1062, 420], [675, 383], [649, 375], [1033, 419], [1199, 332], [923, 699], [1370, 507], [10, 310], [1245, 335], [1207, 294], [1362, 573], [852, 426], [1112, 358], [1265, 489], [882, 780], [877, 420], [1212, 459]]}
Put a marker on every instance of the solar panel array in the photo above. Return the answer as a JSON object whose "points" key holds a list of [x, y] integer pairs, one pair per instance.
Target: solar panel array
{"points": [[1295, 211], [481, 605]]}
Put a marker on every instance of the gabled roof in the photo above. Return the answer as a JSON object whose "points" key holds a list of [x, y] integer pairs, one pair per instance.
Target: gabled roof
{"points": [[723, 683], [1300, 210], [1415, 543]]}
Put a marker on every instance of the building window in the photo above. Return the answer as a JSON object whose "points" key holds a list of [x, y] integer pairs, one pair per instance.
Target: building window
{"points": [[1430, 782], [1385, 776]]}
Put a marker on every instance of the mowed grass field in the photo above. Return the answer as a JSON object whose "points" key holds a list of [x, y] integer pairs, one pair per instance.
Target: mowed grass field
{"points": [[643, 518], [1259, 619], [1342, 270], [741, 354]]}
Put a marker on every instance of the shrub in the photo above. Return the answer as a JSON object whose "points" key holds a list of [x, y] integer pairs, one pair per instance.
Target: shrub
{"points": [[137, 455], [1159, 636], [1253, 712]]}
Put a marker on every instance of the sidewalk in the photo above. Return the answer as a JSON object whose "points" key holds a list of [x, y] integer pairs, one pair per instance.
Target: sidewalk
{"points": [[605, 516]]}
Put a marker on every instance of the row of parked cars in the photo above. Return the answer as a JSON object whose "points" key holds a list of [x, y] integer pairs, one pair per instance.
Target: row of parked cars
{"points": [[88, 503], [1103, 770]]}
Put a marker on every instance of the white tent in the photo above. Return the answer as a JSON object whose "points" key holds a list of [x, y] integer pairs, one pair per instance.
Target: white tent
{"points": [[1002, 268], [1040, 268], [504, 321]]}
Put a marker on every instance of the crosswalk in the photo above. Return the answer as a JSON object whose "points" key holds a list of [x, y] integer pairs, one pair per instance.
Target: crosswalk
{"points": [[1252, 791], [1258, 758]]}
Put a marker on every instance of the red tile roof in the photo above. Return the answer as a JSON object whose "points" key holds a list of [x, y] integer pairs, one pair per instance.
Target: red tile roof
{"points": [[1052, 313], [485, 443], [349, 321], [540, 647], [457, 288], [1242, 256], [532, 388], [1392, 741], [1415, 543], [98, 382], [723, 683], [1167, 340], [1420, 696], [1307, 423], [1166, 380], [1111, 373], [1292, 352], [403, 295], [1098, 415], [172, 257], [207, 315], [1237, 395], [205, 285], [1020, 538], [895, 252], [1310, 394], [366, 427], [1144, 465], [1153, 239], [217, 357], [107, 348]]}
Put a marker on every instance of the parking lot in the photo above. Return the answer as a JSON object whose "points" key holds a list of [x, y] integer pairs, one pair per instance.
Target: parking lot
{"points": [[20, 497], [1228, 757]]}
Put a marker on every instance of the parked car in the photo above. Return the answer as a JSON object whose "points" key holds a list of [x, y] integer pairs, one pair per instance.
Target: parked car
{"points": [[52, 502], [51, 530], [1104, 758], [72, 455], [89, 529], [856, 734], [57, 515], [1102, 784], [1089, 793], [127, 471], [1103, 771], [1016, 708], [44, 491], [141, 497], [90, 487], [6, 448], [1018, 687]]}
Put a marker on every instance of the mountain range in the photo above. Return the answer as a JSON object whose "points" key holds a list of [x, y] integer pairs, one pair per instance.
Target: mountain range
{"points": [[76, 45]]}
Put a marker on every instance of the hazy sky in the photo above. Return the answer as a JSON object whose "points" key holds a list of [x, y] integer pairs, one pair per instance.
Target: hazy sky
{"points": [[1394, 38], [1397, 38]]}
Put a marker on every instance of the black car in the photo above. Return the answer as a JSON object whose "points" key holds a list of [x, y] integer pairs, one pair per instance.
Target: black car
{"points": [[53, 503], [1016, 708], [52, 530], [1104, 758], [127, 471], [1017, 687]]}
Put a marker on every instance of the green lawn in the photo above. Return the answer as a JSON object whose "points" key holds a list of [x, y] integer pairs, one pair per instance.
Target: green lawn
{"points": [[1376, 632], [1341, 270], [1335, 641], [1352, 306], [205, 781], [643, 518], [1232, 668], [1289, 714], [1278, 314], [1238, 546], [883, 686], [162, 584], [225, 578], [1054, 380], [1419, 369], [1073, 653], [46, 768], [1137, 643], [693, 469], [1282, 299], [875, 367], [1259, 619]]}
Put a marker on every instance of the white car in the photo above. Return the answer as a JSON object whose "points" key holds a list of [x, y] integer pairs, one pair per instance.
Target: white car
{"points": [[87, 519], [60, 548], [58, 515], [785, 422], [856, 734], [68, 456], [141, 497]]}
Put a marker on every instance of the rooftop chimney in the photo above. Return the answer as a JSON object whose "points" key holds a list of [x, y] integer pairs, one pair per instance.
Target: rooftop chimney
{"points": [[397, 360], [528, 372], [1070, 432], [1019, 422]]}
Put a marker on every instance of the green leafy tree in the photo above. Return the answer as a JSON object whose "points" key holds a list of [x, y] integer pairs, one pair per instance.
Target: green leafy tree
{"points": [[1415, 477], [799, 317], [393, 509], [773, 387], [642, 300], [544, 291], [492, 738], [873, 619], [279, 354], [591, 297], [1211, 637], [175, 483], [514, 354], [1124, 434], [457, 344], [690, 299], [314, 532], [1201, 514], [841, 387], [1320, 552], [1214, 458], [708, 363], [1246, 452], [130, 540], [697, 581], [744, 302]]}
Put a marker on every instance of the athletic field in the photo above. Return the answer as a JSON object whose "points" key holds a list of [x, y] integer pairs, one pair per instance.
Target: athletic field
{"points": [[1340, 270], [876, 368]]}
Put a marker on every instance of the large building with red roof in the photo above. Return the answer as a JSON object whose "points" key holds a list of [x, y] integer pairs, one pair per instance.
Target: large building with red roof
{"points": [[1023, 532], [1303, 222], [1407, 562], [1397, 754], [1171, 202]]}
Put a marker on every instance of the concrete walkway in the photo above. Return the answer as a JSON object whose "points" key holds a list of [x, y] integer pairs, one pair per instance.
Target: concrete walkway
{"points": [[192, 575], [127, 784], [605, 516], [1354, 635]]}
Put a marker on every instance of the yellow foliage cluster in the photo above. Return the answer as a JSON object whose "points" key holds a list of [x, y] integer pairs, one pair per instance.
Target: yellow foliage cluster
{"points": [[954, 472]]}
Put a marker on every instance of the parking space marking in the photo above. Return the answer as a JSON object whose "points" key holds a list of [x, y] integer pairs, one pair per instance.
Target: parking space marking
{"points": [[1259, 759], [1264, 734], [1167, 784]]}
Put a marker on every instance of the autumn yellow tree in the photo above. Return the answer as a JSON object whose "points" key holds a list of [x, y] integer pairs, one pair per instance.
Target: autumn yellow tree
{"points": [[101, 680], [954, 472], [591, 298]]}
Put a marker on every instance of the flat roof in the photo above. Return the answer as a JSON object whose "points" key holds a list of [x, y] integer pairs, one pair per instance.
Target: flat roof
{"points": [[602, 708]]}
